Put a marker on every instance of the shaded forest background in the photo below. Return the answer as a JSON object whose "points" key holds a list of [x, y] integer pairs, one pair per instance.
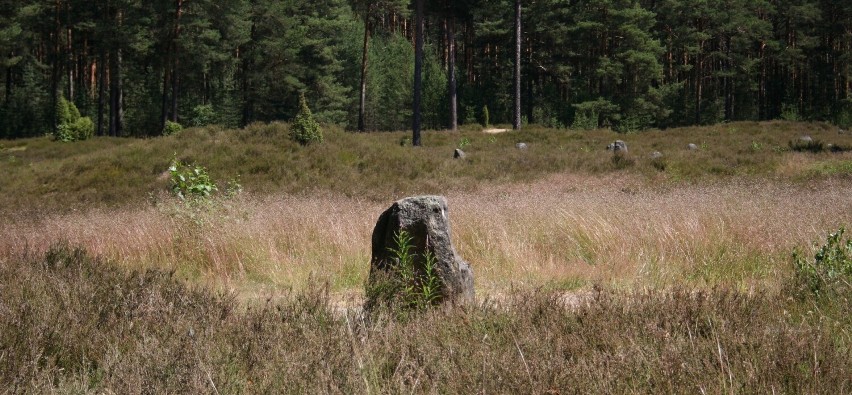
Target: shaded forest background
{"points": [[134, 65]]}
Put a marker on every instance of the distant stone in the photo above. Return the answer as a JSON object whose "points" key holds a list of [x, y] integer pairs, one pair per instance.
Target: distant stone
{"points": [[426, 220], [806, 139], [618, 147], [656, 155], [692, 147], [459, 154], [521, 146]]}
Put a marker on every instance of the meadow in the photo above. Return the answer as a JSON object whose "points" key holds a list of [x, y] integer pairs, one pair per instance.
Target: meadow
{"points": [[593, 275]]}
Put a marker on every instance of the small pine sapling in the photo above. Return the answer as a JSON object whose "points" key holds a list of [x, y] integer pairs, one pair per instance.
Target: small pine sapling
{"points": [[305, 129]]}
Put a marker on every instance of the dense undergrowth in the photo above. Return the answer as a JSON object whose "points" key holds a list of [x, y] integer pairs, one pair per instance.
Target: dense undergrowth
{"points": [[41, 174], [71, 323]]}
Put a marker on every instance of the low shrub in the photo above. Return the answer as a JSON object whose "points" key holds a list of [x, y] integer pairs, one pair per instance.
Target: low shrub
{"points": [[171, 128], [622, 161], [805, 145], [829, 273], [190, 180]]}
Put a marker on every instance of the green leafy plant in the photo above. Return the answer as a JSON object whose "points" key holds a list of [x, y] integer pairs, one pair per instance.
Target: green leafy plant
{"points": [[190, 180], [171, 128], [464, 142], [404, 286], [830, 270], [305, 129]]}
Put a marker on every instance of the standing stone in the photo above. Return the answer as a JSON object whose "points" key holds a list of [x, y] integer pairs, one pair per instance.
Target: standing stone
{"points": [[426, 220], [618, 147], [459, 154]]}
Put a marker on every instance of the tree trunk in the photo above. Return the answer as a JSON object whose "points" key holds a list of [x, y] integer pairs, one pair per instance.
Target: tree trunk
{"points": [[516, 118], [451, 69], [362, 103], [8, 83], [248, 86], [116, 110], [176, 61], [418, 73], [101, 70], [164, 112]]}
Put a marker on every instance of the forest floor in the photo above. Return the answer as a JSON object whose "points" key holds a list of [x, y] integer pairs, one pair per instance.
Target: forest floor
{"points": [[591, 272]]}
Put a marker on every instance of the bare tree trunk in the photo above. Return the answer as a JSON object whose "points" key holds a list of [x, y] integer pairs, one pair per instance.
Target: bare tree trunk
{"points": [[516, 118], [116, 118], [101, 91], [418, 73], [176, 61], [451, 69], [362, 103]]}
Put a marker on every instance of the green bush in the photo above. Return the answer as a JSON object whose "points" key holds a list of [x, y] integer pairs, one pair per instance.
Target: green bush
{"points": [[305, 129], [171, 128], [203, 115], [70, 126], [585, 120], [83, 128], [190, 180], [829, 273]]}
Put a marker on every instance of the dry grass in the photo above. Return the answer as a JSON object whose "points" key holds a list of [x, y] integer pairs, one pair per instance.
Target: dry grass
{"points": [[73, 324], [565, 232], [680, 268]]}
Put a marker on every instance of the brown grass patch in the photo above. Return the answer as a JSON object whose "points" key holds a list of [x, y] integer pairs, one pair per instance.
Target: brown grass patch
{"points": [[565, 232]]}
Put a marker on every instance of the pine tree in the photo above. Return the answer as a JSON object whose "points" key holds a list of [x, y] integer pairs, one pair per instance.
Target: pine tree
{"points": [[305, 129]]}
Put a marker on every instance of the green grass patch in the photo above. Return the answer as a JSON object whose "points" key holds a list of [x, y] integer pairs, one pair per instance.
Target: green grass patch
{"points": [[116, 172]]}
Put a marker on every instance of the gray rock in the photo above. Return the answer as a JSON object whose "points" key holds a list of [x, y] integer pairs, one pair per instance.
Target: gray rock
{"points": [[426, 220], [618, 146], [459, 154], [691, 147], [521, 146], [656, 155], [806, 139]]}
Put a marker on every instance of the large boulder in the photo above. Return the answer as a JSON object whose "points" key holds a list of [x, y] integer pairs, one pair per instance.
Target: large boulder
{"points": [[425, 219]]}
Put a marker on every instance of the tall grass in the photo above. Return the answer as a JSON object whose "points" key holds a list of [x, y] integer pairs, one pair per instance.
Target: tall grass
{"points": [[564, 232], [70, 323]]}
